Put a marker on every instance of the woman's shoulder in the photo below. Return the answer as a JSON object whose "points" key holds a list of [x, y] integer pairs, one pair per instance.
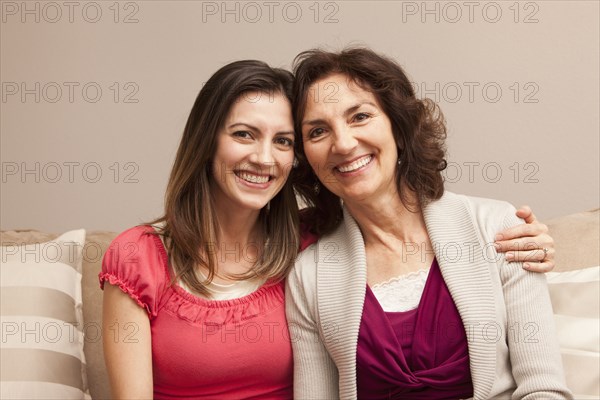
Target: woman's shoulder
{"points": [[136, 262], [480, 208], [498, 213], [136, 249], [454, 213], [488, 216], [136, 239], [135, 234], [451, 199], [488, 204]]}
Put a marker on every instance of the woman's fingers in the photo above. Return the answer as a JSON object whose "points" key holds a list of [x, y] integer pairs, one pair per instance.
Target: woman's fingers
{"points": [[545, 266], [524, 230], [537, 255], [527, 243], [526, 213]]}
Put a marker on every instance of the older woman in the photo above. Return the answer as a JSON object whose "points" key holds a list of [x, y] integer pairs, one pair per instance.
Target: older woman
{"points": [[404, 295]]}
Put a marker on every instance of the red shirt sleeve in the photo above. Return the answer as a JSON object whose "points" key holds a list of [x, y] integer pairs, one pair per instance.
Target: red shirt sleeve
{"points": [[136, 262]]}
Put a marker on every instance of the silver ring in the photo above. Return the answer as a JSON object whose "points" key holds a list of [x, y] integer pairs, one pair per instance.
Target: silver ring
{"points": [[545, 250]]}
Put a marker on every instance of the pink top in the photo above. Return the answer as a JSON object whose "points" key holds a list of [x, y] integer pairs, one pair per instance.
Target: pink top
{"points": [[228, 349]]}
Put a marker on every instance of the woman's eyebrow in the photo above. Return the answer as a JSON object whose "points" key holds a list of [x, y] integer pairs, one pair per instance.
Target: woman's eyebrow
{"points": [[348, 111], [236, 124], [286, 133], [355, 107], [317, 121], [255, 129]]}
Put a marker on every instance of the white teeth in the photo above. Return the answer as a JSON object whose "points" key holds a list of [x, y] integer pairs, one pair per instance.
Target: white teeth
{"points": [[361, 162], [253, 178]]}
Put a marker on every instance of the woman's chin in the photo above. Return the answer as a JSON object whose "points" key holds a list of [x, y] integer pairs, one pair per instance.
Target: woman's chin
{"points": [[356, 194]]}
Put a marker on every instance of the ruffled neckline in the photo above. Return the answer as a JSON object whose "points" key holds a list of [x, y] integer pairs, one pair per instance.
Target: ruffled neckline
{"points": [[267, 287], [197, 309]]}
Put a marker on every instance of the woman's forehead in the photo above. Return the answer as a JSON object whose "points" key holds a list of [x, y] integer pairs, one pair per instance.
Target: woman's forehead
{"points": [[337, 90]]}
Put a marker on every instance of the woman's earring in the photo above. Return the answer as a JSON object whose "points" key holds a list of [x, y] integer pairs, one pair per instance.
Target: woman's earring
{"points": [[317, 188], [295, 163]]}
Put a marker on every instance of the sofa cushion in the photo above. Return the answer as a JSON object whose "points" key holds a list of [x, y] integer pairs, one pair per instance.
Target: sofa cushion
{"points": [[96, 244], [576, 238], [97, 241], [576, 302], [574, 287], [42, 321]]}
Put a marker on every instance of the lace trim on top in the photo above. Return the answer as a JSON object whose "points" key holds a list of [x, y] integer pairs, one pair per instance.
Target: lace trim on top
{"points": [[401, 293], [230, 291]]}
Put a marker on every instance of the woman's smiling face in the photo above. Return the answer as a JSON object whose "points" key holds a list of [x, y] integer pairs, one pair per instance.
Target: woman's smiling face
{"points": [[255, 151], [348, 140]]}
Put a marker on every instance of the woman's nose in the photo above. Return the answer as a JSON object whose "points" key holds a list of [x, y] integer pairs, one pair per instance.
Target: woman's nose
{"points": [[263, 154], [344, 141]]}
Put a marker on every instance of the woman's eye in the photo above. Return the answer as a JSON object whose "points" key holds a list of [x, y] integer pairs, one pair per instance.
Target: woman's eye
{"points": [[284, 141], [316, 133], [361, 117], [242, 134]]}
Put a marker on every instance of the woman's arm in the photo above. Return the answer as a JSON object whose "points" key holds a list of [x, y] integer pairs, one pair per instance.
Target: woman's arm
{"points": [[532, 343], [525, 243], [127, 345], [315, 374]]}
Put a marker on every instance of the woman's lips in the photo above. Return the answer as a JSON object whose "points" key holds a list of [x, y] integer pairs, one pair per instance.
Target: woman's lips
{"points": [[355, 165]]}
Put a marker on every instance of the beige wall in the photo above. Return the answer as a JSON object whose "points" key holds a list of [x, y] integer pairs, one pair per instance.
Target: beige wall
{"points": [[518, 83]]}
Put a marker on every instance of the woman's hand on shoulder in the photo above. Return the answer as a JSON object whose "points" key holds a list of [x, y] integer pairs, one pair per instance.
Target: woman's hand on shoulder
{"points": [[529, 243]]}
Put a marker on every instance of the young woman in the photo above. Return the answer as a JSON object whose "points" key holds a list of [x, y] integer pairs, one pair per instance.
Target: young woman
{"points": [[207, 317], [403, 296], [194, 305]]}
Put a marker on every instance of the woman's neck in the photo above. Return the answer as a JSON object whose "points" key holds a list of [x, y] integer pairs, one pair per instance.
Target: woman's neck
{"points": [[396, 239], [239, 226], [386, 220], [240, 240]]}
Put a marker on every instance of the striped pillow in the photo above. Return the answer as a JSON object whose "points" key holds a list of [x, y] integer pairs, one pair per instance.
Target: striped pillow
{"points": [[42, 322], [576, 302]]}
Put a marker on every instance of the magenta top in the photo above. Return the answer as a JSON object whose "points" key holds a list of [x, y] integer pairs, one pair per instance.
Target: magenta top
{"points": [[201, 348], [417, 354]]}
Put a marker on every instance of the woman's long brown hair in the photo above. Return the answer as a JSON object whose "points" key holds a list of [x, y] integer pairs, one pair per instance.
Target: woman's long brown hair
{"points": [[189, 226]]}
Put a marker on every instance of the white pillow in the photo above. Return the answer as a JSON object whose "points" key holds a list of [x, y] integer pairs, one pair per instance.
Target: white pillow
{"points": [[575, 299], [42, 321]]}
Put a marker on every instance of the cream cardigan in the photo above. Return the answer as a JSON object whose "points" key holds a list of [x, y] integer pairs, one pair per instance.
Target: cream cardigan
{"points": [[506, 310]]}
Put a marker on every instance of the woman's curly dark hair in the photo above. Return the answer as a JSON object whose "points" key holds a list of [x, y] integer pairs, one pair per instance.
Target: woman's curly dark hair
{"points": [[418, 127]]}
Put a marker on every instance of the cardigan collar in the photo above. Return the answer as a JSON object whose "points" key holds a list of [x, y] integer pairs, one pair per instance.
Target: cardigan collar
{"points": [[342, 269], [459, 249]]}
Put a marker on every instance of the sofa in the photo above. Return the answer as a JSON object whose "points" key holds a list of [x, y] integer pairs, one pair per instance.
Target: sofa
{"points": [[31, 369]]}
